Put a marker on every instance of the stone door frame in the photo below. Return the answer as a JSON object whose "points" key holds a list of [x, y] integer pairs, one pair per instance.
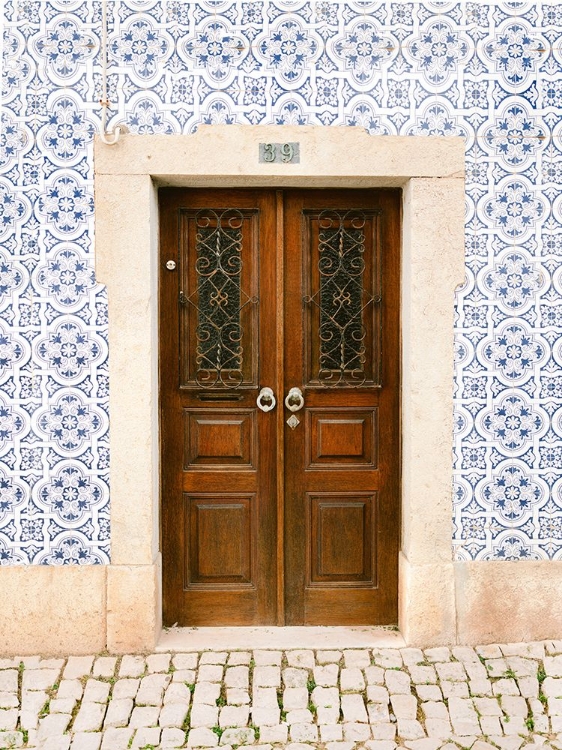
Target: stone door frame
{"points": [[430, 171]]}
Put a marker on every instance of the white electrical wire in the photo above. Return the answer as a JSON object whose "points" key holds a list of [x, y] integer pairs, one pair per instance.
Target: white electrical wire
{"points": [[109, 138]]}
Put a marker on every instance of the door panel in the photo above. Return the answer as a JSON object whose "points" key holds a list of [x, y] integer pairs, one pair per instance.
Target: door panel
{"points": [[341, 461], [219, 537], [341, 535], [218, 497], [220, 440], [341, 438], [257, 514]]}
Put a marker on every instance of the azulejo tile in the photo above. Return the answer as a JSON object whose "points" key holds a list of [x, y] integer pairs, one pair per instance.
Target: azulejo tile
{"points": [[489, 72], [63, 49]]}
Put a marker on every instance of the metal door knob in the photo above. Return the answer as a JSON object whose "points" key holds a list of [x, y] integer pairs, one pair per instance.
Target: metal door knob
{"points": [[294, 400], [266, 399]]}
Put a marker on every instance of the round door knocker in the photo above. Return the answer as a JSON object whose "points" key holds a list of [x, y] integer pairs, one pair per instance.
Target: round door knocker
{"points": [[294, 400], [266, 399]]}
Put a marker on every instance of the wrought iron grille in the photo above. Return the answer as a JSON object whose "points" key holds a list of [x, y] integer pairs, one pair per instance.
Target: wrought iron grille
{"points": [[342, 298], [219, 299]]}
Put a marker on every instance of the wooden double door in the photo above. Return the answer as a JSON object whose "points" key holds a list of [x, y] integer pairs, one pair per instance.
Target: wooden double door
{"points": [[279, 378]]}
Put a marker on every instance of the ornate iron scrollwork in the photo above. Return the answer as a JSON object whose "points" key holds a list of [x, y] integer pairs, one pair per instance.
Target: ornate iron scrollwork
{"points": [[219, 299], [342, 298]]}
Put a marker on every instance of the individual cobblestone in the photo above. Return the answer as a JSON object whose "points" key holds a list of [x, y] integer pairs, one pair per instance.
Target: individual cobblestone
{"points": [[499, 696], [172, 738], [53, 725], [126, 688], [294, 698], [62, 705], [40, 679], [8, 719], [144, 716], [234, 716], [328, 657], [207, 692], [304, 659], [210, 673], [377, 694], [267, 658], [86, 741], [70, 689], [9, 680], [351, 678], [89, 717], [158, 663], [293, 677], [388, 658], [202, 737], [9, 700], [146, 736], [116, 739], [104, 666], [397, 682], [132, 666], [237, 697], [327, 675], [267, 676], [203, 715], [118, 712], [237, 658], [78, 667], [96, 691], [173, 714]]}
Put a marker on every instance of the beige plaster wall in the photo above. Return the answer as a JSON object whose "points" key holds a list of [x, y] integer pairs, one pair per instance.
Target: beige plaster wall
{"points": [[126, 232], [52, 610], [329, 157], [427, 603], [134, 620], [508, 601], [432, 267]]}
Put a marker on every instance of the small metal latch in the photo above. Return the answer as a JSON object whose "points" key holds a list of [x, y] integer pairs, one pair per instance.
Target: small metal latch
{"points": [[171, 265]]}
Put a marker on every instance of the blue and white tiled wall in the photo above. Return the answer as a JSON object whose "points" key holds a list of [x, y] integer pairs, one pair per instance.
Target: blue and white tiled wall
{"points": [[490, 72]]}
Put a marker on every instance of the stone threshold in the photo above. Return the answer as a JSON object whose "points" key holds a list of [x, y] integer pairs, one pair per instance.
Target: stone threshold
{"points": [[270, 637]]}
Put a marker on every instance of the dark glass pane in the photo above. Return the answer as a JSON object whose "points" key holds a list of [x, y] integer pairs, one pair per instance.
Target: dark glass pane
{"points": [[218, 299], [343, 317], [341, 295]]}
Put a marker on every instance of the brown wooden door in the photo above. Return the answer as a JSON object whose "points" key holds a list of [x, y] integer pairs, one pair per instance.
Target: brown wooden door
{"points": [[274, 516]]}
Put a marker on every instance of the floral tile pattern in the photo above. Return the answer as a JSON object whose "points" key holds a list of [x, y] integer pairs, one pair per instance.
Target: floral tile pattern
{"points": [[490, 72]]}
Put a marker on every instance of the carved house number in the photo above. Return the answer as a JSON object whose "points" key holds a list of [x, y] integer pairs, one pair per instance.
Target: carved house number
{"points": [[279, 153]]}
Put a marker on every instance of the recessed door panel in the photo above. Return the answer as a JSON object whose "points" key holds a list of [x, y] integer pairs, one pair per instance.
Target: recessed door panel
{"points": [[219, 534], [341, 438], [220, 440], [341, 539]]}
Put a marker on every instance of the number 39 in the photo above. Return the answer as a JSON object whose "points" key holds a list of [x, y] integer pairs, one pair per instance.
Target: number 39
{"points": [[270, 152]]}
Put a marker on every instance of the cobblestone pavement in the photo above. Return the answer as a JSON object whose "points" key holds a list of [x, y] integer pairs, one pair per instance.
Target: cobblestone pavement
{"points": [[503, 696]]}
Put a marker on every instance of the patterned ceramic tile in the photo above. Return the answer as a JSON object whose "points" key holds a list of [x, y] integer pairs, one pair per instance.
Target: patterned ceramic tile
{"points": [[490, 72]]}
